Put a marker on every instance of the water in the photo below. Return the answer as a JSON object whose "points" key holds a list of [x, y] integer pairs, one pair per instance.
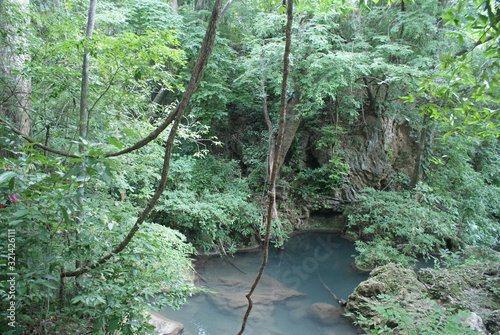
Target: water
{"points": [[294, 279]]}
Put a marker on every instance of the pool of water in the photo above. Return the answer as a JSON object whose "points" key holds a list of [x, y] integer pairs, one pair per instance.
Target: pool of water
{"points": [[296, 279]]}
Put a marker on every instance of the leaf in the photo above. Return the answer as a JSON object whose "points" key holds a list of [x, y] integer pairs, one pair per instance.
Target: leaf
{"points": [[115, 142], [65, 214], [6, 176], [74, 171], [106, 174]]}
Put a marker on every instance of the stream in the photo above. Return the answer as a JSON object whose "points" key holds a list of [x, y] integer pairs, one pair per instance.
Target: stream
{"points": [[291, 297]]}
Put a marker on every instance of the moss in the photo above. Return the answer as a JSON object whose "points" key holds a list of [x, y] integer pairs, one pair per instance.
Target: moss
{"points": [[474, 287], [395, 297]]}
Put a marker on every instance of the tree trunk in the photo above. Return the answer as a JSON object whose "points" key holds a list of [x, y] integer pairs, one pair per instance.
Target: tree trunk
{"points": [[293, 121], [200, 5], [174, 5], [417, 170], [83, 123], [16, 90]]}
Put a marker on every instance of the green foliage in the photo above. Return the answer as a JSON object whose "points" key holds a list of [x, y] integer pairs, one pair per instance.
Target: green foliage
{"points": [[311, 183], [393, 317], [400, 226], [467, 174], [464, 95], [65, 218], [209, 202]]}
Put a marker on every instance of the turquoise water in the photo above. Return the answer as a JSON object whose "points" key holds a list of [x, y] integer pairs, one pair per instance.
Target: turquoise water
{"points": [[295, 278]]}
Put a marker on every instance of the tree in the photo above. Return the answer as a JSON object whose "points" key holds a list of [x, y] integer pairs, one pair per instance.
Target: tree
{"points": [[464, 94], [275, 163], [16, 85], [57, 209]]}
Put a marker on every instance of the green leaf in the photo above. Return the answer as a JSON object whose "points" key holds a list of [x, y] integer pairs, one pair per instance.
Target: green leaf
{"points": [[74, 171], [7, 176], [106, 174], [115, 142], [65, 214]]}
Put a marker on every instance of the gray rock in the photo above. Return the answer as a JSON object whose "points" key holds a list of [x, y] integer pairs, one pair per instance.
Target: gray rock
{"points": [[164, 326]]}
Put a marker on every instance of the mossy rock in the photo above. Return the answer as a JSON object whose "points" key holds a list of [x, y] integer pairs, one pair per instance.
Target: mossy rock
{"points": [[455, 294], [390, 279], [475, 287]]}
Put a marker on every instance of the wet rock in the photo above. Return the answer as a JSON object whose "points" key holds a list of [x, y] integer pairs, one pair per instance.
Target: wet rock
{"points": [[324, 313], [164, 326], [231, 296]]}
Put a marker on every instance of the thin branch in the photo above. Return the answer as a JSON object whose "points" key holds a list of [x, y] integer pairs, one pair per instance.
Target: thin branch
{"points": [[34, 142], [275, 163], [196, 76], [102, 93], [226, 7], [478, 43]]}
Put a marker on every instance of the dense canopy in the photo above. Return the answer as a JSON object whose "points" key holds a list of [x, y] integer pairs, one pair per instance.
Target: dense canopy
{"points": [[135, 134]]}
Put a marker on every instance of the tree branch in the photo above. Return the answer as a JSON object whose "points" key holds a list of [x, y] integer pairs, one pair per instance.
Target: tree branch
{"points": [[31, 140], [478, 43], [176, 116], [275, 163]]}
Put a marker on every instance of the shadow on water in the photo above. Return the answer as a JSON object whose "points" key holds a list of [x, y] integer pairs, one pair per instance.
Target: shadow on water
{"points": [[291, 298]]}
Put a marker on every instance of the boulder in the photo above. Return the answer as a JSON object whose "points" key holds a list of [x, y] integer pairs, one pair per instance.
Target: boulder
{"points": [[164, 326], [399, 298], [231, 296], [475, 322], [325, 314], [391, 279]]}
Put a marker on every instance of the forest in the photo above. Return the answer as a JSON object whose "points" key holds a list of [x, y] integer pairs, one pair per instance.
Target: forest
{"points": [[137, 134]]}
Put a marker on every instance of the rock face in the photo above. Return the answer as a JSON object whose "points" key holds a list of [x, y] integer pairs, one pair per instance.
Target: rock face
{"points": [[399, 299], [378, 149]]}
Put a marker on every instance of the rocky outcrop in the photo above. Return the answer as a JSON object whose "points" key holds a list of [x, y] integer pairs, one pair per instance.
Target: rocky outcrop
{"points": [[473, 287], [399, 299], [378, 150], [164, 326]]}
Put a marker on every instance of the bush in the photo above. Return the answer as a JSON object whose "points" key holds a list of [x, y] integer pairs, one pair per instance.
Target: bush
{"points": [[400, 226], [209, 202], [66, 218]]}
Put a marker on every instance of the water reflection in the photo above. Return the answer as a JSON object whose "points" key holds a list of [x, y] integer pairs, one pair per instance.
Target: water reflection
{"points": [[293, 297]]}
